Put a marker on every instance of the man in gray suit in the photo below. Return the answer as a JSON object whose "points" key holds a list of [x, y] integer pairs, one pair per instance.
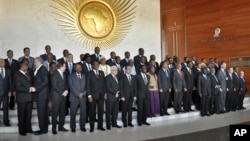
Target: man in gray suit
{"points": [[77, 97], [164, 84], [179, 86], [222, 78], [26, 52]]}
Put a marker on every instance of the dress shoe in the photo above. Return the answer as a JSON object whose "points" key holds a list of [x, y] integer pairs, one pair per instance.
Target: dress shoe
{"points": [[22, 134], [117, 126], [161, 114], [125, 125], [146, 123], [54, 132], [134, 109], [139, 124], [63, 130], [83, 129], [108, 127], [73, 130], [102, 129], [166, 113], [191, 110], [91, 130], [7, 124], [131, 125], [38, 133], [207, 115], [30, 131]]}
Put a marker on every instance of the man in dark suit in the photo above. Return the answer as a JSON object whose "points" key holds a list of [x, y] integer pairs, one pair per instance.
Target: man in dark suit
{"points": [[222, 77], [77, 98], [189, 80], [196, 97], [125, 61], [243, 90], [230, 89], [59, 92], [142, 84], [111, 60], [96, 56], [24, 98], [179, 86], [165, 85], [215, 89], [113, 94], [12, 65], [64, 58], [41, 83], [27, 56], [137, 58], [204, 89], [96, 95], [48, 51], [87, 66], [143, 62], [184, 64], [235, 96], [5, 90], [82, 61], [128, 89]]}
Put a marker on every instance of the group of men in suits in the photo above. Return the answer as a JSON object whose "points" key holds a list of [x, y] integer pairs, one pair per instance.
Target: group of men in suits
{"points": [[83, 86]]}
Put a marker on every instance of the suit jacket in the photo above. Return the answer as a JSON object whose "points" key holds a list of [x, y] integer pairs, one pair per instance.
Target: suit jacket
{"points": [[137, 60], [164, 82], [96, 86], [41, 83], [31, 62], [230, 83], [124, 63], [141, 87], [22, 84], [85, 68], [58, 85], [94, 58], [62, 60], [222, 79], [179, 81], [112, 86], [127, 89], [44, 57], [236, 82], [204, 86], [5, 83], [214, 82], [243, 87], [197, 73], [13, 67], [67, 71], [76, 86], [189, 78], [110, 62]]}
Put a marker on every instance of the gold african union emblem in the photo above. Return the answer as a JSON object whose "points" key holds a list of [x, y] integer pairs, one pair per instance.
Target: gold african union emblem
{"points": [[103, 23]]}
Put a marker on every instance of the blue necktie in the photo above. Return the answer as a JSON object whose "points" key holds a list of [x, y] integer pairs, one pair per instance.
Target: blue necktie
{"points": [[70, 68]]}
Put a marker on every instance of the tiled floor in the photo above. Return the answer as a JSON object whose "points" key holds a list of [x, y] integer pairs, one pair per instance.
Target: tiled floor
{"points": [[156, 130]]}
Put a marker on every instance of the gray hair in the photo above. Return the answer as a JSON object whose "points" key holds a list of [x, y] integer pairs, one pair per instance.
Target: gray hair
{"points": [[39, 59], [113, 68]]}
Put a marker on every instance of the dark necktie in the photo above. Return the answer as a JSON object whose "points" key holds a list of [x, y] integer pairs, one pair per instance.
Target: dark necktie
{"points": [[2, 74], [97, 74], [116, 79], [166, 73], [28, 75], [129, 79]]}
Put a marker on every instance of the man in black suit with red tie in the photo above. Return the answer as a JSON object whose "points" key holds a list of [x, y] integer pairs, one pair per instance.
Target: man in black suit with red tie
{"points": [[11, 64], [41, 83], [5, 91], [96, 95], [142, 82], [128, 90]]}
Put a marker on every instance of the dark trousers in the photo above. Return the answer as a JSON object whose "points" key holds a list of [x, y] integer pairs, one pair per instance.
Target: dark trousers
{"points": [[228, 103], [127, 111], [5, 100], [204, 105], [241, 99], [73, 111], [235, 97], [196, 99], [24, 113], [214, 103], [12, 102], [164, 100], [187, 100], [177, 101], [92, 113], [58, 108], [42, 113], [112, 108], [142, 111]]}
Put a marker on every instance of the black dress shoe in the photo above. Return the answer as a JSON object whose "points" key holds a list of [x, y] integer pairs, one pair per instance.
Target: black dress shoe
{"points": [[139, 124], [161, 114], [102, 129], [38, 133], [91, 130], [63, 130], [131, 125], [125, 125], [108, 127], [117, 126], [7, 124], [207, 115], [54, 132], [22, 134], [146, 123], [30, 131], [191, 110], [83, 129], [73, 130], [166, 113]]}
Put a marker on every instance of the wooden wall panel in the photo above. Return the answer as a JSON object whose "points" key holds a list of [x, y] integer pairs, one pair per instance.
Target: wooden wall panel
{"points": [[203, 16]]}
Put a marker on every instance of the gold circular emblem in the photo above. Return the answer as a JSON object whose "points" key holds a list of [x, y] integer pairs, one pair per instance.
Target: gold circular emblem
{"points": [[96, 19]]}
